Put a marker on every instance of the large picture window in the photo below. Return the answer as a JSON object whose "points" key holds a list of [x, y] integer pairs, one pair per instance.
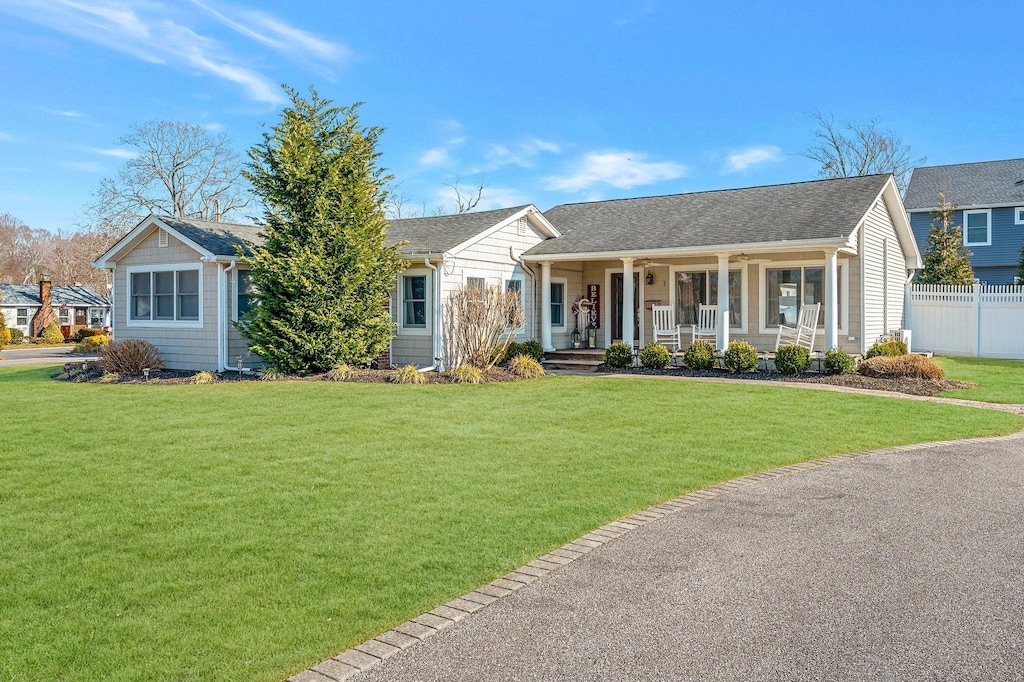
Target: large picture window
{"points": [[789, 288], [164, 296], [414, 297], [694, 289]]}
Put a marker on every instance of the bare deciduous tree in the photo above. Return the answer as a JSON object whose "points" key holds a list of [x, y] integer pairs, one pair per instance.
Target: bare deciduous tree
{"points": [[181, 169], [853, 149], [479, 325], [23, 250]]}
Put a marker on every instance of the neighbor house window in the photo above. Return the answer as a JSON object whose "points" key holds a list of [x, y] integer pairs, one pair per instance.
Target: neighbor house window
{"points": [[165, 295], [244, 298], [64, 315], [790, 288], [96, 317], [694, 289], [1018, 215], [414, 296], [976, 228], [558, 304], [21, 315]]}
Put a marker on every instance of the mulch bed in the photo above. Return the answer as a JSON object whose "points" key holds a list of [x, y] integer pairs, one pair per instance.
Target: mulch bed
{"points": [[907, 385]]}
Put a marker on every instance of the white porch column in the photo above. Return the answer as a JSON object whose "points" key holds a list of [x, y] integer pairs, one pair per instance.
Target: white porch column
{"points": [[831, 299], [723, 301], [545, 306], [628, 311]]}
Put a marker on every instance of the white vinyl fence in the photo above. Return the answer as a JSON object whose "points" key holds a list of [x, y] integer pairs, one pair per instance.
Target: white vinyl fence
{"points": [[980, 321]]}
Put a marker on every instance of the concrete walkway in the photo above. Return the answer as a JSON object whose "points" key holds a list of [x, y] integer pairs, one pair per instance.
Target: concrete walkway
{"points": [[899, 565]]}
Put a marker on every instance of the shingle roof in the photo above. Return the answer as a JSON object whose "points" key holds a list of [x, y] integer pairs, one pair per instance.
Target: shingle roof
{"points": [[219, 239], [442, 233], [967, 184], [70, 295], [820, 209]]}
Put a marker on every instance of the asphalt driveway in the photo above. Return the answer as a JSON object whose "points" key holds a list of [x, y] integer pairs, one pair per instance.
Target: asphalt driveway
{"points": [[896, 566], [40, 356]]}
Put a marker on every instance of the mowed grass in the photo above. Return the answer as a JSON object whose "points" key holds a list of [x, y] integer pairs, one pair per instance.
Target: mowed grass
{"points": [[999, 381], [246, 531]]}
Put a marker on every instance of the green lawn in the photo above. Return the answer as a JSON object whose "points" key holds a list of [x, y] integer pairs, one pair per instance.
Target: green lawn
{"points": [[999, 381], [245, 531]]}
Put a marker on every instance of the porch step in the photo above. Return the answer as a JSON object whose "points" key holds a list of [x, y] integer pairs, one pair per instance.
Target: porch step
{"points": [[579, 359]]}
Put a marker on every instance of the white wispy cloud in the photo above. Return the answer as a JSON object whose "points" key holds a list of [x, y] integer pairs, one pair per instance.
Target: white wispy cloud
{"points": [[438, 156], [501, 197], [7, 137], [522, 153], [619, 169], [82, 166], [68, 114], [148, 32], [115, 152], [752, 156]]}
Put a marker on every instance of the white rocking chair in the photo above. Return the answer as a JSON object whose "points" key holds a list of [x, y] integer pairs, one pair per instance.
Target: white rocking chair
{"points": [[805, 331], [666, 331], [706, 328]]}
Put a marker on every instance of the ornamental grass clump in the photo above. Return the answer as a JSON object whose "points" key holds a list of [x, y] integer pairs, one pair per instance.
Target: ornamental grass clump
{"points": [[618, 355], [204, 378], [130, 356], [109, 378], [838, 361], [466, 374], [740, 356], [888, 348], [700, 355], [655, 356], [901, 367], [792, 359], [407, 375], [525, 367], [340, 372]]}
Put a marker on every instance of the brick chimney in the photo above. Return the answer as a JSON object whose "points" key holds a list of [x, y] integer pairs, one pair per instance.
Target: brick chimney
{"points": [[45, 315]]}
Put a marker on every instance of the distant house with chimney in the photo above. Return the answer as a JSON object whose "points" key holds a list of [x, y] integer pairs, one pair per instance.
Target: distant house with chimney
{"points": [[31, 308]]}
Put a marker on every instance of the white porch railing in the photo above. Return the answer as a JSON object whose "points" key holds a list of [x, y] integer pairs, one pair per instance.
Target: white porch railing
{"points": [[980, 321]]}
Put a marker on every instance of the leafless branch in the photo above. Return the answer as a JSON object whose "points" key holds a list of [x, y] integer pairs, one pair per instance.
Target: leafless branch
{"points": [[480, 324]]}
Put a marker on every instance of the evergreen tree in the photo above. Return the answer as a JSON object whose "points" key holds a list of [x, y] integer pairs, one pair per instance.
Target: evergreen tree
{"points": [[1020, 267], [946, 259], [322, 274]]}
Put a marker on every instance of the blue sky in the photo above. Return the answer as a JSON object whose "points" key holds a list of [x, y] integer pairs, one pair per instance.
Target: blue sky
{"points": [[543, 102]]}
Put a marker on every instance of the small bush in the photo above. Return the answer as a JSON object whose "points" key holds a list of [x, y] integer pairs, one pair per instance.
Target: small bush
{"points": [[532, 348], [109, 378], [466, 374], [901, 366], [700, 355], [407, 375], [272, 374], [17, 336], [5, 333], [525, 367], [889, 348], [130, 356], [838, 361], [52, 334], [83, 349], [740, 356], [655, 356], [618, 355], [340, 372], [204, 378], [85, 332], [792, 359], [95, 341]]}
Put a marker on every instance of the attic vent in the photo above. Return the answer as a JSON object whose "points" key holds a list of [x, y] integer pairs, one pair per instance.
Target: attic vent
{"points": [[161, 237], [521, 227]]}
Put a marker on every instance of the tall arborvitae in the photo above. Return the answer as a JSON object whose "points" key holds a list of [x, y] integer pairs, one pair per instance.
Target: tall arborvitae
{"points": [[946, 259], [322, 275]]}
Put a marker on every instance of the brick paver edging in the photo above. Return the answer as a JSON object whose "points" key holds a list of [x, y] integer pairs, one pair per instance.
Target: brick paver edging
{"points": [[371, 652]]}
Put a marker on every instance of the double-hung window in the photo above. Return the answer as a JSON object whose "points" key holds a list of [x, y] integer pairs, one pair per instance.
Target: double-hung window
{"points": [[64, 316], [244, 293], [414, 300], [96, 317], [978, 228], [694, 289], [789, 288], [557, 304], [21, 317], [170, 295]]}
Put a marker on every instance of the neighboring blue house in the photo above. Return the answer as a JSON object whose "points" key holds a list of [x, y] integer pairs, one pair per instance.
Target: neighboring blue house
{"points": [[989, 197]]}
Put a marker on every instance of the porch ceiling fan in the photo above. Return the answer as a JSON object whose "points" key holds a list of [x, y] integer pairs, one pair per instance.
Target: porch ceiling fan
{"points": [[648, 263]]}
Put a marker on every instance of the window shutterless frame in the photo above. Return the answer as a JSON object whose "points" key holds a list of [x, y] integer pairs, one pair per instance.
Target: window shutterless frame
{"points": [[978, 227], [165, 296], [415, 304]]}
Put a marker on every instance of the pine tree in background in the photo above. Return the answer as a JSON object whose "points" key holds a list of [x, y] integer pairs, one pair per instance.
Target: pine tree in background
{"points": [[322, 274], [946, 259], [1020, 267]]}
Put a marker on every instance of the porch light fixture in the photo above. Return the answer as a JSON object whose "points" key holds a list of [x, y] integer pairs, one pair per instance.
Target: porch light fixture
{"points": [[650, 278]]}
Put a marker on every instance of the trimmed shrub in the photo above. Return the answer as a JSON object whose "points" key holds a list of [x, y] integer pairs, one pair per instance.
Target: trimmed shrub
{"points": [[17, 336], [340, 372], [130, 356], [533, 348], [5, 333], [838, 361], [792, 359], [466, 374], [407, 375], [618, 355], [740, 356], [204, 378], [700, 355], [82, 349], [654, 355], [901, 366], [95, 341], [85, 332], [525, 367], [888, 348], [52, 334]]}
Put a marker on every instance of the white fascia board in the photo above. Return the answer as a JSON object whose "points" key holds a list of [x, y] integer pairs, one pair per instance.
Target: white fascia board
{"points": [[535, 217], [689, 252], [890, 195], [127, 242]]}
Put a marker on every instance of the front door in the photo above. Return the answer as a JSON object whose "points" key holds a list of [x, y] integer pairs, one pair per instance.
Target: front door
{"points": [[617, 297]]}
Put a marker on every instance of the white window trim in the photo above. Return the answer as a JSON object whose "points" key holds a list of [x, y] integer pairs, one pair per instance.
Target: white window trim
{"points": [[519, 277], [844, 303], [102, 315], [28, 317], [429, 309], [988, 231], [487, 277], [1018, 215], [162, 324], [566, 312], [742, 269], [235, 291]]}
